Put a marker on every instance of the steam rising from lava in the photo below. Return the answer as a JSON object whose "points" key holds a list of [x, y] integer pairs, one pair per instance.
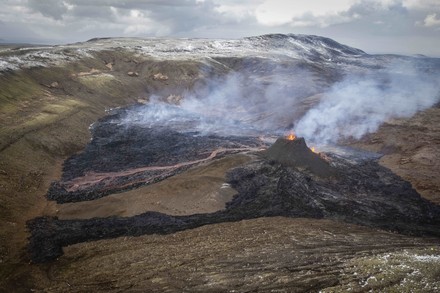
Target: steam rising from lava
{"points": [[251, 105], [359, 105], [236, 104]]}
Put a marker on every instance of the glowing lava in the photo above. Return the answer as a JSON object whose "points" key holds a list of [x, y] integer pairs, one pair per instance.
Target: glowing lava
{"points": [[291, 136]]}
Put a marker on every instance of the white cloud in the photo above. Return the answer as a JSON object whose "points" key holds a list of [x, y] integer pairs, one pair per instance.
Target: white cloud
{"points": [[300, 12], [236, 11], [421, 4], [431, 20]]}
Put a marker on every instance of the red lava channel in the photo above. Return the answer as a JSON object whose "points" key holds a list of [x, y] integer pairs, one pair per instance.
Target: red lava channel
{"points": [[92, 178]]}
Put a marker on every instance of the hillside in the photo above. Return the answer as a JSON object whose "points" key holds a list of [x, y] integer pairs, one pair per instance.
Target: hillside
{"points": [[107, 106]]}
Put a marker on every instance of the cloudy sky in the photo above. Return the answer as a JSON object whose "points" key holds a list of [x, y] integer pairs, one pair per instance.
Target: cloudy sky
{"points": [[376, 26]]}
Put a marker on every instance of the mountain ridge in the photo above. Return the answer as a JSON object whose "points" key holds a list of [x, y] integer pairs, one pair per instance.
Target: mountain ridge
{"points": [[307, 48]]}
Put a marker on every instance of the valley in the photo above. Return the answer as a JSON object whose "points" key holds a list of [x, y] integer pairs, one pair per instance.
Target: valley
{"points": [[116, 135]]}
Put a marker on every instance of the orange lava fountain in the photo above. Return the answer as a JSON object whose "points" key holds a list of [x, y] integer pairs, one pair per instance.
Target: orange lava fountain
{"points": [[291, 136]]}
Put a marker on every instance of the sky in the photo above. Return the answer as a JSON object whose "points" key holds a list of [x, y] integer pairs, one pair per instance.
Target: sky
{"points": [[375, 26]]}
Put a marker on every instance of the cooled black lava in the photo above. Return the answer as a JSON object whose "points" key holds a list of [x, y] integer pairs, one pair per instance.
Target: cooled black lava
{"points": [[122, 156], [360, 192]]}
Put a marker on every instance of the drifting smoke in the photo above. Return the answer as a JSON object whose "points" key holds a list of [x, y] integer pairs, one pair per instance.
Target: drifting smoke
{"points": [[237, 104], [357, 106], [250, 105]]}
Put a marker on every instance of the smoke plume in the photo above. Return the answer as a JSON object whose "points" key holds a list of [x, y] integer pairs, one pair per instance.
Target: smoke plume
{"points": [[359, 105], [235, 104], [272, 103]]}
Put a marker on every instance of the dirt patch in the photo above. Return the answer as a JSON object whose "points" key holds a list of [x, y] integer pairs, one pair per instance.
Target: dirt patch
{"points": [[264, 255], [199, 190], [123, 156], [411, 149]]}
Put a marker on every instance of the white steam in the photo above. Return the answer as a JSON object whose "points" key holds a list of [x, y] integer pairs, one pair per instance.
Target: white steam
{"points": [[236, 104], [273, 102], [357, 106]]}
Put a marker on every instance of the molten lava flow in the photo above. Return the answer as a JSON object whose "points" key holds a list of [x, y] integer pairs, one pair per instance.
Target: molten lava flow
{"points": [[291, 136]]}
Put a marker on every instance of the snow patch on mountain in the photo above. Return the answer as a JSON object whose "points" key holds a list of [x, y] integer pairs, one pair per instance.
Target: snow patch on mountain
{"points": [[304, 47]]}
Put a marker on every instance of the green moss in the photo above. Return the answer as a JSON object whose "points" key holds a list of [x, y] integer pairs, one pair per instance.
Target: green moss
{"points": [[97, 81], [48, 114], [16, 89]]}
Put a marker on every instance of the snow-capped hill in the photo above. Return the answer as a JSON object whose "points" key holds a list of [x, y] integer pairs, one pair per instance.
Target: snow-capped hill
{"points": [[329, 44], [321, 51], [308, 45]]}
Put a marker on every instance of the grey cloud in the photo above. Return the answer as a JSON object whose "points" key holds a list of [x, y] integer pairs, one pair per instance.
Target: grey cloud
{"points": [[178, 16], [372, 9], [92, 12], [21, 34], [134, 4], [50, 8], [363, 10]]}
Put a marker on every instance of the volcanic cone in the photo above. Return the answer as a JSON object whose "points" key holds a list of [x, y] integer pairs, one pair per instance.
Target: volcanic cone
{"points": [[295, 153]]}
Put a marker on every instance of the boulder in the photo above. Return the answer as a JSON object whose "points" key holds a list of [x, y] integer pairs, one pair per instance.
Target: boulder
{"points": [[160, 76], [54, 85]]}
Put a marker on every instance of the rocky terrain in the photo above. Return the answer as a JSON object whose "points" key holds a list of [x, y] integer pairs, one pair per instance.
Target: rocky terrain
{"points": [[153, 165]]}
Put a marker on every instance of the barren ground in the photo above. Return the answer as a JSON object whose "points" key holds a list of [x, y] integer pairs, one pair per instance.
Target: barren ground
{"points": [[42, 126], [199, 190]]}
